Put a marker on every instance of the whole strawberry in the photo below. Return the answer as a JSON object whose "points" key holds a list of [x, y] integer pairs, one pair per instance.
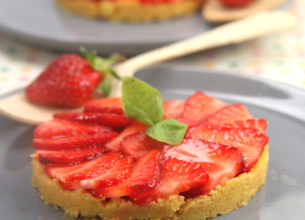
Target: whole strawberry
{"points": [[71, 80]]}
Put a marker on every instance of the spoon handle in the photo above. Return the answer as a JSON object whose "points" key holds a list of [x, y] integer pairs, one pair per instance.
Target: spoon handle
{"points": [[234, 32]]}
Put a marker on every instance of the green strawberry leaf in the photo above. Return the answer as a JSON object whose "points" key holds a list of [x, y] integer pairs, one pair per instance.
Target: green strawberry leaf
{"points": [[113, 73], [90, 56], [106, 85], [141, 101], [169, 131]]}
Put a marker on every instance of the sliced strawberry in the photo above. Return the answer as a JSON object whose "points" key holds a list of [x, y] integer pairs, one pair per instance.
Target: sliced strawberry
{"points": [[229, 114], [68, 158], [199, 106], [70, 176], [106, 105], [142, 183], [108, 119], [188, 122], [139, 144], [173, 108], [221, 162], [61, 128], [259, 124], [249, 141], [74, 143], [179, 176], [119, 173], [132, 129]]}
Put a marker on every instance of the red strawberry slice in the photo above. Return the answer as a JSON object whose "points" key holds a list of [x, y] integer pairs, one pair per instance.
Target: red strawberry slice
{"points": [[68, 158], [259, 124], [70, 176], [179, 176], [106, 105], [132, 129], [229, 114], [188, 122], [68, 81], [108, 119], [173, 108], [220, 162], [142, 183], [74, 143], [119, 173], [249, 141], [139, 144], [61, 128], [199, 106]]}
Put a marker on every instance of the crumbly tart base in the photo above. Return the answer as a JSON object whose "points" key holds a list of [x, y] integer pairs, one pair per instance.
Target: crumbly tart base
{"points": [[231, 195], [132, 11]]}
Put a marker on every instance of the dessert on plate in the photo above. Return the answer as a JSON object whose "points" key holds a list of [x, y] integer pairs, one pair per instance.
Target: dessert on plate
{"points": [[131, 10], [139, 157]]}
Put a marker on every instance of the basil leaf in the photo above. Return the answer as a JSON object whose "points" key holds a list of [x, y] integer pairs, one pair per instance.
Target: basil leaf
{"points": [[169, 131], [141, 101]]}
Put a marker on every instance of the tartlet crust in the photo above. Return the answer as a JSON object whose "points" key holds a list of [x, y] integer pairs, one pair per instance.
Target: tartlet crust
{"points": [[132, 11], [231, 195]]}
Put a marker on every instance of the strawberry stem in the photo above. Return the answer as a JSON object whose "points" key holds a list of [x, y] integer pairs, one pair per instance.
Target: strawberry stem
{"points": [[103, 65]]}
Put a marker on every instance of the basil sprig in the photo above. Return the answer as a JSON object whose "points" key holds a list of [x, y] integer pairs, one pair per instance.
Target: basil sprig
{"points": [[144, 103]]}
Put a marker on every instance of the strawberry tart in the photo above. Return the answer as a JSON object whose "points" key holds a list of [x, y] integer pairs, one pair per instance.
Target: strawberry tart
{"points": [[131, 10], [103, 163]]}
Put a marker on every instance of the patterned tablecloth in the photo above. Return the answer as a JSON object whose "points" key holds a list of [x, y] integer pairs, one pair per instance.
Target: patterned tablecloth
{"points": [[279, 56]]}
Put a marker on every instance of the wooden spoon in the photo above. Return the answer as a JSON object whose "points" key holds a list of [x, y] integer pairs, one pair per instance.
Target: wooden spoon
{"points": [[215, 11], [18, 108]]}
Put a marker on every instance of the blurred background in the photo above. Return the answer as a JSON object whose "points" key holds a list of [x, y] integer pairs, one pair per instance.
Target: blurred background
{"points": [[279, 56]]}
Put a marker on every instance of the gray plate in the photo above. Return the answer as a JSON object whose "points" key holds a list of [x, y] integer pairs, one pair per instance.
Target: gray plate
{"points": [[42, 24], [281, 198]]}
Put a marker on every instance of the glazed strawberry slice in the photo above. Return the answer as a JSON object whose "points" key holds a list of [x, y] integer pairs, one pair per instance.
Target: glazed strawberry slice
{"points": [[71, 176], [259, 124], [106, 105], [139, 144], [229, 114], [221, 162], [131, 129], [74, 143], [178, 176], [61, 128], [249, 141], [142, 183], [173, 108], [68, 158], [199, 106], [107, 119], [118, 173]]}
